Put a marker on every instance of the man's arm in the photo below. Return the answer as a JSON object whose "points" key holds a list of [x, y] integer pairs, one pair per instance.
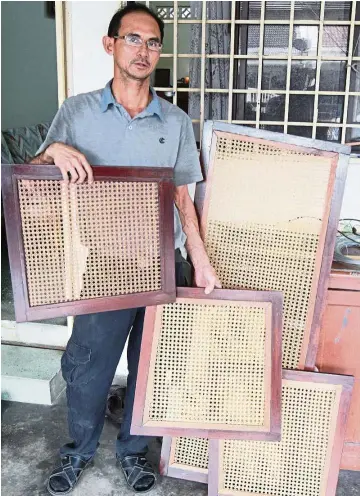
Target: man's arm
{"points": [[205, 275]]}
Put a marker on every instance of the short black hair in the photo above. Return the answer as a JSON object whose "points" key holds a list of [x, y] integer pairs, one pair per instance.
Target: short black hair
{"points": [[131, 7]]}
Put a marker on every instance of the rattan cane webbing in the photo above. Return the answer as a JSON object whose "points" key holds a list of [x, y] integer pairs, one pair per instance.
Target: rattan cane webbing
{"points": [[298, 464], [263, 225], [193, 452], [210, 365], [89, 241], [42, 230]]}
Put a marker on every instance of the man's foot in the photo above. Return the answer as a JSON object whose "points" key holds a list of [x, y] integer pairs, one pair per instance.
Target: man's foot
{"points": [[115, 403], [138, 472], [64, 478]]}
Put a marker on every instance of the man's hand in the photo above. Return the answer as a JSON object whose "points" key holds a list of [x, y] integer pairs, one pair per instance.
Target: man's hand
{"points": [[69, 160], [205, 277]]}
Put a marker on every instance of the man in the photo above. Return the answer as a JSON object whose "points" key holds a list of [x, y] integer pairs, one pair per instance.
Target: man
{"points": [[123, 124]]}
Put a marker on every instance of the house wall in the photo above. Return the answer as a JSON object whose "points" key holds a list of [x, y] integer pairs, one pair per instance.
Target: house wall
{"points": [[28, 64], [88, 66]]}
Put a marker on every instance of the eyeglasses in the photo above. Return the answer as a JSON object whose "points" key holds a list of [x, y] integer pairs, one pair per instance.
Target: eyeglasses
{"points": [[135, 41]]}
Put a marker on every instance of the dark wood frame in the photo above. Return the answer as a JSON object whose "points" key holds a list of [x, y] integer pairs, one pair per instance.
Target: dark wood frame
{"points": [[339, 433], [272, 299], [340, 156], [23, 311], [176, 470]]}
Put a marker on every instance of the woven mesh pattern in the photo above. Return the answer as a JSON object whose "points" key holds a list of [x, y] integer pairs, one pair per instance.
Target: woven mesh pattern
{"points": [[296, 465], [210, 365], [193, 452], [263, 225], [268, 256], [230, 148], [42, 229], [89, 241]]}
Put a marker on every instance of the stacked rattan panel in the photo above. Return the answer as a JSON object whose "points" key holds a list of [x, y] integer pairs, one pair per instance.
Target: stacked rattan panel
{"points": [[185, 458], [252, 246], [265, 210], [306, 461], [90, 246], [211, 364]]}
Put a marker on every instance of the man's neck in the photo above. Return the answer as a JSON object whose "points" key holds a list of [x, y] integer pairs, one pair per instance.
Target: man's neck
{"points": [[134, 96]]}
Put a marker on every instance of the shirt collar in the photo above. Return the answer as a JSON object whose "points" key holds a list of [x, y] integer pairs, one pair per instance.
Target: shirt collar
{"points": [[154, 107]]}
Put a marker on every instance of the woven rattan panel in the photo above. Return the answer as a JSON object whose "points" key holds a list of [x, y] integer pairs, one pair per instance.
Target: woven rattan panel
{"points": [[89, 241], [297, 465], [193, 452], [263, 225], [210, 364], [42, 228]]}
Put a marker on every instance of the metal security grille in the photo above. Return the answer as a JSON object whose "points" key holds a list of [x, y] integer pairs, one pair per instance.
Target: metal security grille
{"points": [[167, 12], [290, 67]]}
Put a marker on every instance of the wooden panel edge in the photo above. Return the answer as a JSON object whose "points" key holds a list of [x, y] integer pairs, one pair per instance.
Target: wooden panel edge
{"points": [[105, 303], [214, 468], [339, 437], [167, 238], [185, 473], [165, 456], [12, 219], [318, 377], [143, 368], [100, 172], [276, 369], [327, 256]]}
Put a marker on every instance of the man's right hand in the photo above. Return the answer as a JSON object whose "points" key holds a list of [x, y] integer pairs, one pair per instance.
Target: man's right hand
{"points": [[69, 160]]}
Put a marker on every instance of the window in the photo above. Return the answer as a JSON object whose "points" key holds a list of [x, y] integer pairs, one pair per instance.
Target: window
{"points": [[291, 67]]}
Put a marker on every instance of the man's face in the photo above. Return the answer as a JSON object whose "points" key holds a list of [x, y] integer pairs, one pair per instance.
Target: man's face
{"points": [[136, 62]]}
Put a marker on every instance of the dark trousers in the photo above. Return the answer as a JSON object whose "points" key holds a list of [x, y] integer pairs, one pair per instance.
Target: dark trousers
{"points": [[88, 367]]}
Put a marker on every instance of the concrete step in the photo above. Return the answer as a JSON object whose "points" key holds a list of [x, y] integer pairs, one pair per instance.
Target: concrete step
{"points": [[34, 333], [30, 375]]}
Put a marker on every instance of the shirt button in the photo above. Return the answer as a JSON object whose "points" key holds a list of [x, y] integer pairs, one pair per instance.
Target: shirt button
{"points": [[130, 127]]}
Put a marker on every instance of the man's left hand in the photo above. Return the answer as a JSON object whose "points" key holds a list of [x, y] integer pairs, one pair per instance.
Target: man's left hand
{"points": [[205, 277]]}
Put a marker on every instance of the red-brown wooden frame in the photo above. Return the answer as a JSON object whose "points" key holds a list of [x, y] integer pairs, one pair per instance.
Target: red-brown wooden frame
{"points": [[338, 354], [334, 465], [344, 279], [273, 298], [171, 469], [339, 155], [23, 311]]}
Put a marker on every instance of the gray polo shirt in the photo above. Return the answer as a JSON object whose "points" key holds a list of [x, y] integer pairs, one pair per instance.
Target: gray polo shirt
{"points": [[160, 136]]}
